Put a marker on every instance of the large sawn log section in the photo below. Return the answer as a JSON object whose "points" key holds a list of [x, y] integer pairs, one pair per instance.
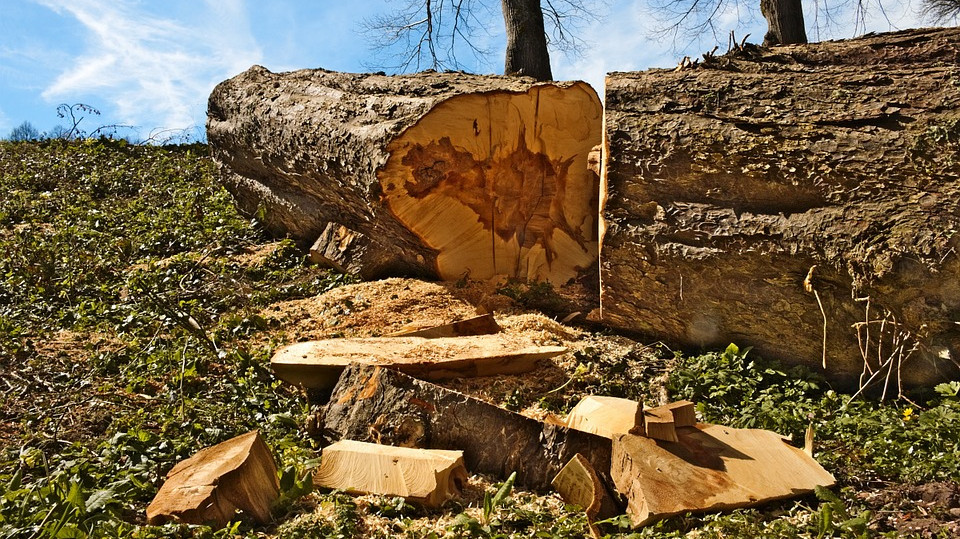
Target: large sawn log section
{"points": [[772, 196], [431, 174]]}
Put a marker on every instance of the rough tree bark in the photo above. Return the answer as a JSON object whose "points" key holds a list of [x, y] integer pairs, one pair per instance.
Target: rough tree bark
{"points": [[430, 174], [806, 190], [379, 405], [526, 40], [784, 22]]}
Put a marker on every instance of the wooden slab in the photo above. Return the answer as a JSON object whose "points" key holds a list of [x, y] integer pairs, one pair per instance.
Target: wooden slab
{"points": [[711, 467], [210, 486], [318, 364], [426, 476], [606, 416], [371, 403], [484, 324]]}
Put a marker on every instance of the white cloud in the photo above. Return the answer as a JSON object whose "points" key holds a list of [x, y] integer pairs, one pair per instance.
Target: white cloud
{"points": [[154, 71]]}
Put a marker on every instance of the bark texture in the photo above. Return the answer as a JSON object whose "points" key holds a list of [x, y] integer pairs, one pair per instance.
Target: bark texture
{"points": [[379, 405], [743, 195], [430, 174], [784, 22], [526, 40]]}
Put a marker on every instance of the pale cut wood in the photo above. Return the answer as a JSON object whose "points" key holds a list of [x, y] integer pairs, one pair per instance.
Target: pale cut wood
{"points": [[659, 425], [210, 486], [606, 416], [710, 468], [371, 403], [684, 412], [578, 484], [484, 324], [497, 183], [661, 422], [318, 364], [611, 416], [426, 476]]}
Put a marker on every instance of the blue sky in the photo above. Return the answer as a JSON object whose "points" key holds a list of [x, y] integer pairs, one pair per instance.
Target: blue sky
{"points": [[152, 63]]}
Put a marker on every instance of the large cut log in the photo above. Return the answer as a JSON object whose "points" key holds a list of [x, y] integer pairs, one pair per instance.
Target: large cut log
{"points": [[803, 199], [210, 486], [426, 476], [318, 364], [438, 174], [710, 467], [379, 405]]}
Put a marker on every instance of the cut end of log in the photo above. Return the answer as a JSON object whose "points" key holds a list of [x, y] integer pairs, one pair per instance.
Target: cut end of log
{"points": [[498, 183]]}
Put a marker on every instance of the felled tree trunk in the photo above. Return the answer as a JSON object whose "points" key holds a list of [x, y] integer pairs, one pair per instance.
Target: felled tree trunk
{"points": [[379, 405], [803, 200], [430, 174]]}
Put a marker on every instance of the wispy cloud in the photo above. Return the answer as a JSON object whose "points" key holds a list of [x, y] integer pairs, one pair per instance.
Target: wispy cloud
{"points": [[150, 68]]}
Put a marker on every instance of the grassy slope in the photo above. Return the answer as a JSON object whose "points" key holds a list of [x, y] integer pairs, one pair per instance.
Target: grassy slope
{"points": [[126, 292]]}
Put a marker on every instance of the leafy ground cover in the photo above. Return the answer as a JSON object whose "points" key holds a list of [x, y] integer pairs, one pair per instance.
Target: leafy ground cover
{"points": [[132, 335]]}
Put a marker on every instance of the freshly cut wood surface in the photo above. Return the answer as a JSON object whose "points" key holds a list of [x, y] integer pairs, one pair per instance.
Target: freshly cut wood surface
{"points": [[210, 486], [318, 364], [426, 476], [711, 467], [496, 183], [484, 324], [578, 484], [684, 412], [661, 422], [606, 416], [371, 403]]}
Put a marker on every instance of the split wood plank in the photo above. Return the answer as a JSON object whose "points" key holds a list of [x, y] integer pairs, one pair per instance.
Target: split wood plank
{"points": [[484, 324], [711, 467], [606, 416], [372, 403], [210, 486], [426, 476], [318, 364]]}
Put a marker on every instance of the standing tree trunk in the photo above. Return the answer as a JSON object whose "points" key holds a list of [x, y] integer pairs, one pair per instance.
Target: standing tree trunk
{"points": [[784, 22], [526, 41]]}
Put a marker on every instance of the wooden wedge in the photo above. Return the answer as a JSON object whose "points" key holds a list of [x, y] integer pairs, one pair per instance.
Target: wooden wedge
{"points": [[606, 416], [578, 484]]}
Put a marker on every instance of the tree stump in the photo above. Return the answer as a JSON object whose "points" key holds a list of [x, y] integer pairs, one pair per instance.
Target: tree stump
{"points": [[432, 174]]}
